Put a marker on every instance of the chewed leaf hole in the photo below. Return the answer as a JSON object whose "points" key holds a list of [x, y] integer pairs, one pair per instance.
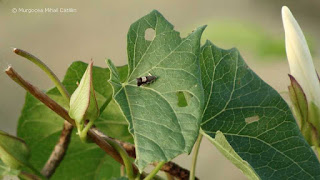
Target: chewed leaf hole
{"points": [[183, 98], [149, 34], [252, 119]]}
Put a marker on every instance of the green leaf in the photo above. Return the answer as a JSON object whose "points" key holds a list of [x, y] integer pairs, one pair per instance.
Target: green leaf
{"points": [[161, 128], [224, 147], [254, 118], [83, 103], [13, 151], [7, 171], [41, 128]]}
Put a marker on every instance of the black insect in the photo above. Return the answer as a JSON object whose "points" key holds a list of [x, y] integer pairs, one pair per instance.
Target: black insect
{"points": [[145, 80]]}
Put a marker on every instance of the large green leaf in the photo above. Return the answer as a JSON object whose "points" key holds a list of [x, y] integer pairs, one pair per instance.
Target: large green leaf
{"points": [[256, 121], [161, 128], [40, 128]]}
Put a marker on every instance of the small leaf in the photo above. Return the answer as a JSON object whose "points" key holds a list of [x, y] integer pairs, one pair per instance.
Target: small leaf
{"points": [[301, 110], [13, 151], [83, 103], [272, 144], [224, 147], [40, 128], [162, 129], [298, 99]]}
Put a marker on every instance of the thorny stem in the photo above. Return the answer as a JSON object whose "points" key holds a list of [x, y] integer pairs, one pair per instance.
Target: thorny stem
{"points": [[97, 136], [195, 157], [155, 170]]}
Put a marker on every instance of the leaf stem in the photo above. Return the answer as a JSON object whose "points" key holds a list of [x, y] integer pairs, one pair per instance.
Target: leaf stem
{"points": [[46, 69], [62, 145], [195, 157], [84, 131], [97, 136], [155, 171], [125, 157]]}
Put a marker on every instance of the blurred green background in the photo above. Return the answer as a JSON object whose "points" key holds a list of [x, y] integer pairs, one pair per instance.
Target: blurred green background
{"points": [[98, 30]]}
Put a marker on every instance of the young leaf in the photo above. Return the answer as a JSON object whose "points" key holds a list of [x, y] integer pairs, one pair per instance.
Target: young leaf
{"points": [[83, 103], [13, 151], [40, 127], [254, 118], [224, 147], [161, 128]]}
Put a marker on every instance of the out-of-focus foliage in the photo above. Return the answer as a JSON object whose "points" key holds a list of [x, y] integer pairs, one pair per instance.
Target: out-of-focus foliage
{"points": [[248, 38]]}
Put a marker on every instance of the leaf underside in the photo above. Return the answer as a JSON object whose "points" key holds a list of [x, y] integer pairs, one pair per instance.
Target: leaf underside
{"points": [[161, 128], [254, 118], [224, 147], [41, 128]]}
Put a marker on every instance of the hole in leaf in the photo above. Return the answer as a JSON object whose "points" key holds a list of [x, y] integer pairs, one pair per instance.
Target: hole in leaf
{"points": [[183, 98], [252, 119], [149, 34]]}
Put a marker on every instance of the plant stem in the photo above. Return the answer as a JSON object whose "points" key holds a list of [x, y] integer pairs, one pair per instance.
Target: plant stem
{"points": [[37, 173], [155, 171], [195, 157], [46, 69], [97, 136], [84, 131], [105, 104], [124, 156], [62, 145], [28, 176]]}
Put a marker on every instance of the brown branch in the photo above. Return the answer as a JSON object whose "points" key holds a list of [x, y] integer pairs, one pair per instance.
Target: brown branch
{"points": [[170, 167], [62, 145], [28, 176], [58, 151], [96, 135]]}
